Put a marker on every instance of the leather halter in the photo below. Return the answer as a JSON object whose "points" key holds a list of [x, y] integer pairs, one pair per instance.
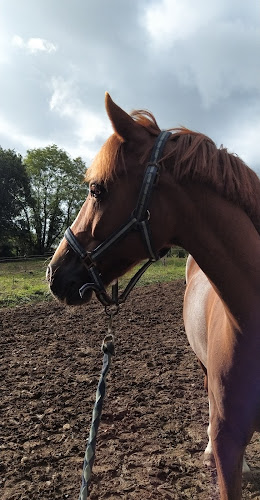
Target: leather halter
{"points": [[139, 220]]}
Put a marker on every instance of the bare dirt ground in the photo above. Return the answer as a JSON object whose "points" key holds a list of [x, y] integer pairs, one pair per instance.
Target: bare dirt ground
{"points": [[153, 429]]}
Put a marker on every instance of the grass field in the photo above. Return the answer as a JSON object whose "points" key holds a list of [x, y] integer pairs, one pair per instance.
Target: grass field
{"points": [[24, 282]]}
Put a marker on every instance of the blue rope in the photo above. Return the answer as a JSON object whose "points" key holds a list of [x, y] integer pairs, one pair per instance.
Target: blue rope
{"points": [[108, 349]]}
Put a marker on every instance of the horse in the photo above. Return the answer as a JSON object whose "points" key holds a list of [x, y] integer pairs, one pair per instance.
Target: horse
{"points": [[148, 191]]}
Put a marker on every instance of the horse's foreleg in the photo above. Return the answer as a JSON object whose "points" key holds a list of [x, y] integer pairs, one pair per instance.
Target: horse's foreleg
{"points": [[229, 459], [228, 453], [209, 459]]}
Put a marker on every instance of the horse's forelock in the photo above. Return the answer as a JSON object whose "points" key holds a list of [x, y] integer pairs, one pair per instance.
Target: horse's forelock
{"points": [[104, 164]]}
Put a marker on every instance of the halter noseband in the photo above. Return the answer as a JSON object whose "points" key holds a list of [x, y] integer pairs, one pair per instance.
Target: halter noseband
{"points": [[139, 220]]}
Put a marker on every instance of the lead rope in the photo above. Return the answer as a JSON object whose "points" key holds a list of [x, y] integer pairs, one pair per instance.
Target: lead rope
{"points": [[108, 350]]}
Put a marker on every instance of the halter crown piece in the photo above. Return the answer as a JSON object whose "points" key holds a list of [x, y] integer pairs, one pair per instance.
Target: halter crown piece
{"points": [[139, 220]]}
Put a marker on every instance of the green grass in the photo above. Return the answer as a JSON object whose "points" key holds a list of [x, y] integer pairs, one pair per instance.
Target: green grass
{"points": [[24, 282], [165, 270]]}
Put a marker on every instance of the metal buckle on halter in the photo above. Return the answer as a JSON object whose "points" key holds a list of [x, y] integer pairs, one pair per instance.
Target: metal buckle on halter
{"points": [[87, 260], [96, 284]]}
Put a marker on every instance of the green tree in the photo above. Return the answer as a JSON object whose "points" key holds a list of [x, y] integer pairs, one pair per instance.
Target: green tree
{"points": [[57, 192], [14, 197]]}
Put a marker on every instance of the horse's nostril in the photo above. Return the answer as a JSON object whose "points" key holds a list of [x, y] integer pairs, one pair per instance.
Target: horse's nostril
{"points": [[48, 273]]}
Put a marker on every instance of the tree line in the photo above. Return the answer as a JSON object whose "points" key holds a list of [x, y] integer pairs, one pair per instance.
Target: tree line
{"points": [[40, 195]]}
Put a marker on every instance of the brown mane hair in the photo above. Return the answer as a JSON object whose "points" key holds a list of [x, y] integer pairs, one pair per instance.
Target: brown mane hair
{"points": [[195, 157]]}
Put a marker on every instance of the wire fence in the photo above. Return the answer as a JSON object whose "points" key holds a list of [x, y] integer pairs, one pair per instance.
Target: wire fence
{"points": [[173, 252], [23, 258]]}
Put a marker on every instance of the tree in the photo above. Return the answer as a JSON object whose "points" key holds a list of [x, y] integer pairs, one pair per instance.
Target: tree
{"points": [[57, 192], [14, 197]]}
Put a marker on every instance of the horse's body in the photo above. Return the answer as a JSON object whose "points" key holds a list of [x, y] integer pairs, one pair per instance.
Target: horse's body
{"points": [[207, 201]]}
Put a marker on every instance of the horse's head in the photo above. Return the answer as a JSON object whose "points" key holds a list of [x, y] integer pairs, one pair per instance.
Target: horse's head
{"points": [[118, 188]]}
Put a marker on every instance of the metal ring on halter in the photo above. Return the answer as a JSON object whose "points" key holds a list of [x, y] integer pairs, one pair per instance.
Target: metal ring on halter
{"points": [[112, 310]]}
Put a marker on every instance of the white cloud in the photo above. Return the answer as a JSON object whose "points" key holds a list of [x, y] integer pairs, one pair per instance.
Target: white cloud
{"points": [[65, 102], [170, 20], [33, 45], [4, 45], [244, 141], [223, 61], [15, 136], [17, 41], [212, 47], [20, 141]]}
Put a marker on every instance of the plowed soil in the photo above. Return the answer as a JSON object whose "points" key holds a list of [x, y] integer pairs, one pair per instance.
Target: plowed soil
{"points": [[153, 429]]}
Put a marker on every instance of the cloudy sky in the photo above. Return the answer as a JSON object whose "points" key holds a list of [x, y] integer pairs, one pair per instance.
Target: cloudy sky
{"points": [[191, 63]]}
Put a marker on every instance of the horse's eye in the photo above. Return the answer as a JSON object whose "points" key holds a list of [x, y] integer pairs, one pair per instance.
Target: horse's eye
{"points": [[97, 190]]}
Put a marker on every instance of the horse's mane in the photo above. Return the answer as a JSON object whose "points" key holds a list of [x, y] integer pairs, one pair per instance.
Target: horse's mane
{"points": [[194, 156]]}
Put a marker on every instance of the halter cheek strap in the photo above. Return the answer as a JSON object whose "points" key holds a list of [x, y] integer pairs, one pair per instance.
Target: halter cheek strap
{"points": [[139, 220]]}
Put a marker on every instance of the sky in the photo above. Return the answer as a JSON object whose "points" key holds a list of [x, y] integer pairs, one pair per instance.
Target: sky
{"points": [[190, 63]]}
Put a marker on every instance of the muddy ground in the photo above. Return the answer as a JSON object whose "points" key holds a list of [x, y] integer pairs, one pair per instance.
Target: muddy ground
{"points": [[153, 429]]}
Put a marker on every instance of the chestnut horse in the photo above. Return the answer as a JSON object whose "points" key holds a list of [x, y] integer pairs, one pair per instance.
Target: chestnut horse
{"points": [[207, 201]]}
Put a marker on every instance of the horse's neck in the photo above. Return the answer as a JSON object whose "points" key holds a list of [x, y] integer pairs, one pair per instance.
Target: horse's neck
{"points": [[225, 244]]}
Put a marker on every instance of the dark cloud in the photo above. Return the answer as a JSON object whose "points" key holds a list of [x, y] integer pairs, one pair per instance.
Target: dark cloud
{"points": [[191, 64]]}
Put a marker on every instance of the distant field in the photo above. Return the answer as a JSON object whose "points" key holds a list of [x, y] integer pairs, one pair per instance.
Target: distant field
{"points": [[24, 282]]}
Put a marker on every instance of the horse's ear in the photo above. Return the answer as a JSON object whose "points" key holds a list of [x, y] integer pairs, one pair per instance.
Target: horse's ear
{"points": [[123, 124]]}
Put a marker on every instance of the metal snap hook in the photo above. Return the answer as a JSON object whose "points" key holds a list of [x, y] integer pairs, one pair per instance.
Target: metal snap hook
{"points": [[112, 310], [108, 346]]}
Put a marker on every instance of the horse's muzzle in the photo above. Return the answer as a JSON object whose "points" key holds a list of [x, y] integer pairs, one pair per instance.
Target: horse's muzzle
{"points": [[66, 289]]}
